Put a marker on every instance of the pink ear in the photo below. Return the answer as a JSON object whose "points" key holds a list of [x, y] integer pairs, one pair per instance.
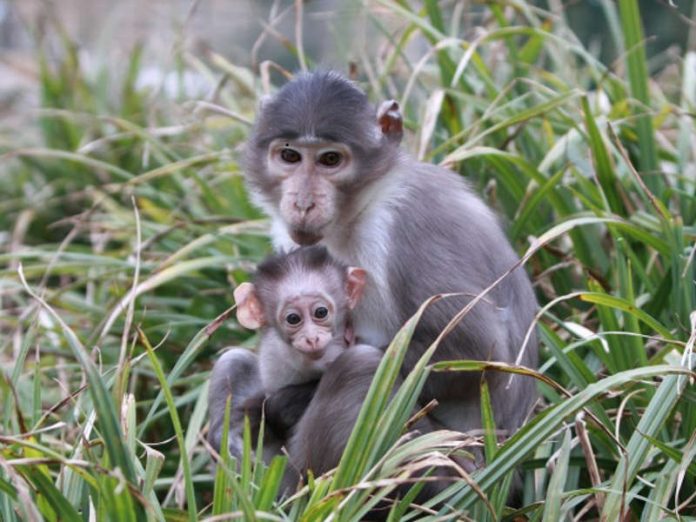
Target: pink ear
{"points": [[249, 311], [355, 285], [349, 335]]}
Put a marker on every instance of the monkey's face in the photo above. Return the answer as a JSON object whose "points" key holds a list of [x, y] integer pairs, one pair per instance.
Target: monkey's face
{"points": [[308, 321], [316, 145], [309, 173]]}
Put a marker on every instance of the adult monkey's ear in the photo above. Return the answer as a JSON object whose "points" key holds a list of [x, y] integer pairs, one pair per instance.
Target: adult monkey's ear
{"points": [[390, 120], [355, 285], [249, 310]]}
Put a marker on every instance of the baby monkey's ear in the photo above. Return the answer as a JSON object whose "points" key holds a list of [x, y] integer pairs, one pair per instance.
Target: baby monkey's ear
{"points": [[355, 285], [249, 310]]}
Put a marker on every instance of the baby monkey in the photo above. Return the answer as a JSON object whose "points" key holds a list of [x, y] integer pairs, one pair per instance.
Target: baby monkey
{"points": [[302, 302]]}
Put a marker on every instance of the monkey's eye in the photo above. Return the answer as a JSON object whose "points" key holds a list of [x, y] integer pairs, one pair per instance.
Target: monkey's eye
{"points": [[293, 319], [290, 155], [330, 159], [321, 312]]}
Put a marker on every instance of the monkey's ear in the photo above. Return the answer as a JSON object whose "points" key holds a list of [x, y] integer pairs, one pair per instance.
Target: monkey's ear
{"points": [[249, 312], [355, 285], [390, 120], [264, 101]]}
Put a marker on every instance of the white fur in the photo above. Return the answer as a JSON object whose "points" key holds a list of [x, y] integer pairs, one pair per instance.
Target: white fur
{"points": [[371, 230], [281, 365], [279, 234]]}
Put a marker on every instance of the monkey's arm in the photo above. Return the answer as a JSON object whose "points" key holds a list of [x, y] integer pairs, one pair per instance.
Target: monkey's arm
{"points": [[235, 375], [284, 407], [322, 432]]}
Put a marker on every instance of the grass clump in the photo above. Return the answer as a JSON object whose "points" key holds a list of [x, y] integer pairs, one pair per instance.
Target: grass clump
{"points": [[126, 223]]}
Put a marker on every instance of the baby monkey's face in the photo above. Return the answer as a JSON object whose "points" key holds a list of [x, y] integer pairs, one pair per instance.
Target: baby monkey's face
{"points": [[306, 298], [309, 323]]}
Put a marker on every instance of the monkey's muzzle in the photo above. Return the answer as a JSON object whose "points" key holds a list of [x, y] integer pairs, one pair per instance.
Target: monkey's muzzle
{"points": [[313, 355], [305, 237]]}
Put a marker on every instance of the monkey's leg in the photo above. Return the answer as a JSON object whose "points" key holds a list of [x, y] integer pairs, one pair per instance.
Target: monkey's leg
{"points": [[235, 375]]}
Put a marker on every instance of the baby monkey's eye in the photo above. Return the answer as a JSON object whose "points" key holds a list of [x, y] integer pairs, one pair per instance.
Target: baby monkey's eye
{"points": [[293, 319], [330, 159], [321, 312], [289, 155]]}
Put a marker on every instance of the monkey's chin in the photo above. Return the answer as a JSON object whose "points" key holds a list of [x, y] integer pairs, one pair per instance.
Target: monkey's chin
{"points": [[305, 237]]}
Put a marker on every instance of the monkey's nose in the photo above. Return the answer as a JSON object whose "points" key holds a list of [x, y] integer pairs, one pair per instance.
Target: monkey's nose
{"points": [[312, 348], [304, 207], [312, 343]]}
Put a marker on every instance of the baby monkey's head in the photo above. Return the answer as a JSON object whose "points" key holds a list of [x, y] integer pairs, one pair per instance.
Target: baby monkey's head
{"points": [[306, 296]]}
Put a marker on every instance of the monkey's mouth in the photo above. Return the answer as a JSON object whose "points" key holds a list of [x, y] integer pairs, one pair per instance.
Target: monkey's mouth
{"points": [[314, 355], [305, 237]]}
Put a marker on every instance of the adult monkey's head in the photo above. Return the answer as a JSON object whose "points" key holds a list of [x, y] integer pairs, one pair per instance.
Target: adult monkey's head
{"points": [[315, 146]]}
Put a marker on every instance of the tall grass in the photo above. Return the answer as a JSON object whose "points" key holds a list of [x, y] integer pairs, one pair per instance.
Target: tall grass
{"points": [[127, 224]]}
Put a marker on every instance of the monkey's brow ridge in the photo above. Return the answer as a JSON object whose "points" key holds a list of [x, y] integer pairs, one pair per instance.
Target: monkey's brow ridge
{"points": [[278, 135], [295, 135]]}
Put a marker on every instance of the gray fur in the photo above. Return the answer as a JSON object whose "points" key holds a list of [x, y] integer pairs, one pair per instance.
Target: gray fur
{"points": [[235, 375], [280, 364], [418, 230], [322, 105], [316, 444], [444, 229], [250, 379]]}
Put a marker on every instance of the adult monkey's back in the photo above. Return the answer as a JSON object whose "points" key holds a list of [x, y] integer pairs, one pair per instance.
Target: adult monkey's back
{"points": [[326, 166]]}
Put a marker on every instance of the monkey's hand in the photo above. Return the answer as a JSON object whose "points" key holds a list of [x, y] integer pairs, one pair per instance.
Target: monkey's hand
{"points": [[284, 407]]}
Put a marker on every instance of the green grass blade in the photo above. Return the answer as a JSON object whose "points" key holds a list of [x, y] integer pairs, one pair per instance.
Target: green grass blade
{"points": [[222, 489], [552, 509], [529, 437], [626, 306], [604, 168], [490, 438], [176, 422], [113, 437], [638, 446], [354, 461], [60, 508], [269, 486], [638, 82]]}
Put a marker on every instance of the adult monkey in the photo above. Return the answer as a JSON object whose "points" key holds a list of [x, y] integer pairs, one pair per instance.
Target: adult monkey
{"points": [[326, 166]]}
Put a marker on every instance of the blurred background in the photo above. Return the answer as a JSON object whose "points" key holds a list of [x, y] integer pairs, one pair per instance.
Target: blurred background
{"points": [[247, 32]]}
